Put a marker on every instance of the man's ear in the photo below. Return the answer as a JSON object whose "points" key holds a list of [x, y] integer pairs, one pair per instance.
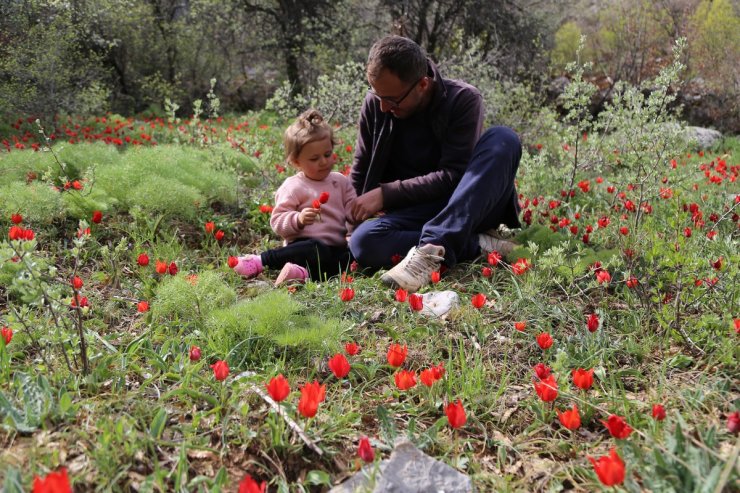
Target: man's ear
{"points": [[425, 83]]}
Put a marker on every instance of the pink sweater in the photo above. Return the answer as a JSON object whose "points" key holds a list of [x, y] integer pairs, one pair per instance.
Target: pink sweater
{"points": [[298, 192]]}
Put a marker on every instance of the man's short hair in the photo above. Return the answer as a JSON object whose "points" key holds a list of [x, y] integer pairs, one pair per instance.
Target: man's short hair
{"points": [[400, 56]]}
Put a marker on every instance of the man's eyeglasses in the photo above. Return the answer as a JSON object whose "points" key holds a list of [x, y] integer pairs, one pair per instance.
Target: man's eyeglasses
{"points": [[394, 103]]}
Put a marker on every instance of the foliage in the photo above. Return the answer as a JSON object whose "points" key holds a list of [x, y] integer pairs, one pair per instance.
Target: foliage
{"points": [[253, 329], [189, 301], [338, 96], [507, 102]]}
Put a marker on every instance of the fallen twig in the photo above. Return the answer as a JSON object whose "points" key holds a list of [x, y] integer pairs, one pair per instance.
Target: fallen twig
{"points": [[278, 409]]}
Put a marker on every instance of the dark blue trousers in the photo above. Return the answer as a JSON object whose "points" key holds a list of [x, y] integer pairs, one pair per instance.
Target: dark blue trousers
{"points": [[485, 198]]}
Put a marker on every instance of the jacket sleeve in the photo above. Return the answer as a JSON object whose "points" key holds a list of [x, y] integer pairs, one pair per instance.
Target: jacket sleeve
{"points": [[284, 218], [364, 145], [463, 128]]}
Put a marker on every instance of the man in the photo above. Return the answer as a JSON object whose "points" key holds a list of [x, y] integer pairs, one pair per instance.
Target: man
{"points": [[420, 157]]}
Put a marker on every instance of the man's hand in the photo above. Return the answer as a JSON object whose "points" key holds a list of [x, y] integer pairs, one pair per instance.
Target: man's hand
{"points": [[366, 205], [308, 216]]}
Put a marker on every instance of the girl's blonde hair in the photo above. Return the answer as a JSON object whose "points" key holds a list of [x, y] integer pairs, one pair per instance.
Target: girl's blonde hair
{"points": [[310, 126]]}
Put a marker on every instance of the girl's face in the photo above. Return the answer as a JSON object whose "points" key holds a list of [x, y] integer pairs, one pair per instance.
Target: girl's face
{"points": [[316, 159]]}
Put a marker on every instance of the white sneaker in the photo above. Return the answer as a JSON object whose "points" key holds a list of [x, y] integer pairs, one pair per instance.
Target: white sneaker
{"points": [[493, 240], [415, 270]]}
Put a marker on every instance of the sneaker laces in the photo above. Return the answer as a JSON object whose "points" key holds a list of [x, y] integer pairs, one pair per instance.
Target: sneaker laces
{"points": [[421, 263]]}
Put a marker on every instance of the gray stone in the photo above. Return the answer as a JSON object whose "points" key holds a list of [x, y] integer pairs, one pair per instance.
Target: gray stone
{"points": [[408, 470], [704, 137]]}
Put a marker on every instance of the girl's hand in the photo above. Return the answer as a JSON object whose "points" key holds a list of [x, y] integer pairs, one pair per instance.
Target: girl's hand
{"points": [[307, 216]]}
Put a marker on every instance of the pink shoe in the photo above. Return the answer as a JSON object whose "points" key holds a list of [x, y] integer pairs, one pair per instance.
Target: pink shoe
{"points": [[249, 266], [291, 273]]}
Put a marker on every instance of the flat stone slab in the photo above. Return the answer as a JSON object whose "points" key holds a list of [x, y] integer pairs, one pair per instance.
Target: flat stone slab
{"points": [[408, 470]]}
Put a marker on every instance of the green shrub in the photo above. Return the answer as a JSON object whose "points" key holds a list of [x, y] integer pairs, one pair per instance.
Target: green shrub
{"points": [[273, 318], [338, 96], [177, 298], [37, 202]]}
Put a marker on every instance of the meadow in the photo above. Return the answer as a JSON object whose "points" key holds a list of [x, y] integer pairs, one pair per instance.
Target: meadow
{"points": [[601, 353]]}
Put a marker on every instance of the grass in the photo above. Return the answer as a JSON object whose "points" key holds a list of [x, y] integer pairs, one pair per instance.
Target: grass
{"points": [[148, 418]]}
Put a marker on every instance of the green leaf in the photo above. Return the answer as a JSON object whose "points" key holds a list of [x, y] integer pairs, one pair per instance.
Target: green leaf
{"points": [[13, 482], [318, 478], [158, 423]]}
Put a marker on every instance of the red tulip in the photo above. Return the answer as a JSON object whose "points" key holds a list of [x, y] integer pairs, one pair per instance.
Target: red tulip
{"points": [[77, 283], [97, 216], [632, 282], [142, 306], [210, 227], [346, 294], [316, 204], [278, 388], [416, 302], [733, 422], [435, 277], [54, 482], [143, 260], [172, 269], [16, 218], [542, 370], [265, 208], [609, 469], [220, 370], [486, 272], [544, 340], [583, 379], [405, 379], [352, 348], [617, 426], [401, 295], [160, 267], [571, 419], [456, 414], [6, 333], [603, 276], [232, 261], [339, 365], [324, 197], [658, 412], [593, 322], [249, 485], [438, 371], [521, 266], [311, 395], [79, 301], [478, 300], [219, 235], [547, 388], [397, 355], [365, 450], [427, 377], [520, 326], [494, 258], [194, 353]]}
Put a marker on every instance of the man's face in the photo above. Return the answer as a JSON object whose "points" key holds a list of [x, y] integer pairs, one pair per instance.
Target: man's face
{"points": [[401, 99]]}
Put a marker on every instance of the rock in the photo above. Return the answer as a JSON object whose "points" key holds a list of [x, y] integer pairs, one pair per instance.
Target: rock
{"points": [[408, 470], [704, 137], [438, 303]]}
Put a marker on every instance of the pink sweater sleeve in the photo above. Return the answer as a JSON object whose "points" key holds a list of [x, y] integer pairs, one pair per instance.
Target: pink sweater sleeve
{"points": [[284, 219]]}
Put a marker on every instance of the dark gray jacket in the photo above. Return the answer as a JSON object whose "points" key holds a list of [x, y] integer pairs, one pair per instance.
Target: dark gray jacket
{"points": [[456, 112]]}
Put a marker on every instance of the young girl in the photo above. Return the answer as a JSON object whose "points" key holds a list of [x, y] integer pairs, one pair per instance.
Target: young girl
{"points": [[310, 209]]}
